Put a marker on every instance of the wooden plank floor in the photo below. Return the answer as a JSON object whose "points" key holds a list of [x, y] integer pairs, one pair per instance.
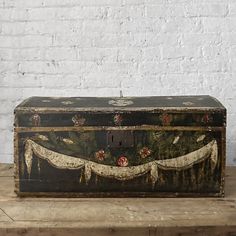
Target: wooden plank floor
{"points": [[116, 216]]}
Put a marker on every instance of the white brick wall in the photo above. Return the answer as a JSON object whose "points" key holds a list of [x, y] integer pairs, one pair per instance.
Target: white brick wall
{"points": [[99, 47]]}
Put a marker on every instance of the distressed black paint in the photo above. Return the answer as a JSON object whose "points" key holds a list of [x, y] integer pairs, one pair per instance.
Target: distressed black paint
{"points": [[146, 130]]}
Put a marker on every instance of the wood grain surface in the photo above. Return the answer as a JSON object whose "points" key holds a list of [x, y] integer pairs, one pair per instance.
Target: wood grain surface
{"points": [[115, 216]]}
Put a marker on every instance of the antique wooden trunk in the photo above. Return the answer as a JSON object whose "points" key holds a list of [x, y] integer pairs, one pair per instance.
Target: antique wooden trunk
{"points": [[139, 146]]}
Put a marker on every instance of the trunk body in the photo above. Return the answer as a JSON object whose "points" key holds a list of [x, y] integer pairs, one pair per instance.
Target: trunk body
{"points": [[114, 147]]}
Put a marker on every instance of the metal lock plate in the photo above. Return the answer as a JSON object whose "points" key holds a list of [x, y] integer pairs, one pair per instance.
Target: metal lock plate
{"points": [[120, 139]]}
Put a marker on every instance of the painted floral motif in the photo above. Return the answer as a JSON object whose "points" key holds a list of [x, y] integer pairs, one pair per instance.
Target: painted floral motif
{"points": [[145, 152], [188, 103], [200, 99], [166, 119], [42, 137], [67, 141], [78, 120], [67, 102], [120, 102], [176, 140], [35, 120], [118, 119], [122, 161], [207, 119], [201, 138], [100, 155]]}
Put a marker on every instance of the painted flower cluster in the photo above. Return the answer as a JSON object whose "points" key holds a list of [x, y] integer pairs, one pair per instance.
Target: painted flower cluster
{"points": [[118, 119], [122, 161], [145, 152], [78, 120], [100, 155]]}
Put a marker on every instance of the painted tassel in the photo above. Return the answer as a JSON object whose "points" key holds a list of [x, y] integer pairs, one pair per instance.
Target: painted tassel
{"points": [[175, 178], [87, 172], [214, 156], [154, 175], [193, 177], [81, 176], [39, 168], [28, 156]]}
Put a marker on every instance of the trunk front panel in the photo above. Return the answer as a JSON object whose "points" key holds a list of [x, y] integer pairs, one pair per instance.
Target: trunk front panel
{"points": [[108, 161]]}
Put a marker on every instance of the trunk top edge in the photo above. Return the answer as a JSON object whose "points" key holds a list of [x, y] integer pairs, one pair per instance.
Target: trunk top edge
{"points": [[121, 103]]}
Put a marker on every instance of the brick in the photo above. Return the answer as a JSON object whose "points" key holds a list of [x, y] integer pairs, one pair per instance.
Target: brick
{"points": [[232, 52], [6, 158], [120, 68], [8, 66], [58, 81], [107, 40], [98, 54], [183, 25], [206, 39], [28, 54], [133, 2], [13, 14], [31, 41], [129, 12], [207, 10], [52, 67], [59, 3], [152, 68], [229, 39], [151, 54], [101, 2], [218, 25], [93, 80], [141, 25], [174, 66], [233, 65], [7, 106], [214, 51], [232, 9], [5, 54], [41, 14], [73, 40], [13, 54], [101, 26], [8, 41], [129, 54], [180, 52], [28, 3], [52, 27], [163, 10], [13, 28], [167, 2], [6, 139], [5, 14], [212, 65], [60, 53], [20, 81]]}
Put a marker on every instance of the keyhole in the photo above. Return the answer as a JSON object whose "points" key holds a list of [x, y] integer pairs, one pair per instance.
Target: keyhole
{"points": [[120, 143], [112, 139]]}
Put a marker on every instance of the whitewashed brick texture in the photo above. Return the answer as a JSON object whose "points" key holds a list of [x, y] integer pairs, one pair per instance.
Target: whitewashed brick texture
{"points": [[99, 47]]}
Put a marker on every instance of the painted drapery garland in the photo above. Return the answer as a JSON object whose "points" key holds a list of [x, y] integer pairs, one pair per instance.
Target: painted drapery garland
{"points": [[62, 161]]}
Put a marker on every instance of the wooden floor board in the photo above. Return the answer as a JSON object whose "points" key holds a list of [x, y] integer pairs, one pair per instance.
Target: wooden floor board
{"points": [[116, 216]]}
